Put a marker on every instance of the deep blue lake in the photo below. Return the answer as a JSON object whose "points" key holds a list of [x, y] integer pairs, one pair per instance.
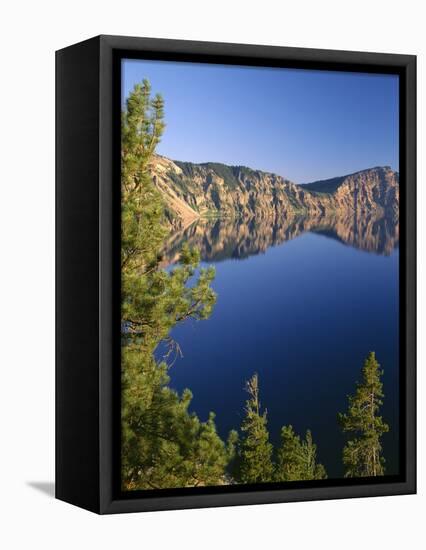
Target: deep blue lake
{"points": [[303, 314]]}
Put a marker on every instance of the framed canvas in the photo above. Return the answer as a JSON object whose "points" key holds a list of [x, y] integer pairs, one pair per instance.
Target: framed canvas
{"points": [[236, 284]]}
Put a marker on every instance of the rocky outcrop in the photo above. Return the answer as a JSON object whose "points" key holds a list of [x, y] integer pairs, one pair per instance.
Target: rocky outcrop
{"points": [[216, 190], [372, 190], [165, 173]]}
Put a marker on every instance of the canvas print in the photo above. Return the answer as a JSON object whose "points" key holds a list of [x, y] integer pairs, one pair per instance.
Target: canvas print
{"points": [[259, 275]]}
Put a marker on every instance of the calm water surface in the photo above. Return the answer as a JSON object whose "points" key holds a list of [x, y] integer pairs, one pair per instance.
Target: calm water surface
{"points": [[302, 311]]}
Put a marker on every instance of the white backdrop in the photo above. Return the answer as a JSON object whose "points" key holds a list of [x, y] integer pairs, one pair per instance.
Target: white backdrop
{"points": [[30, 32]]}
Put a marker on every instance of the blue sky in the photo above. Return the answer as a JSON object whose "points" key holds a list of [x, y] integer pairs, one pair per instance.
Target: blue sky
{"points": [[304, 125]]}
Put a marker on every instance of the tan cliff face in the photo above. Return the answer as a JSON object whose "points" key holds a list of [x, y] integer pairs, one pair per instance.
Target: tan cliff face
{"points": [[215, 190], [373, 190]]}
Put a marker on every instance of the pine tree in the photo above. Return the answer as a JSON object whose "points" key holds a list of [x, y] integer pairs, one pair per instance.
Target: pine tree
{"points": [[255, 451], [313, 470], [153, 301], [163, 444], [142, 232], [362, 454], [296, 459]]}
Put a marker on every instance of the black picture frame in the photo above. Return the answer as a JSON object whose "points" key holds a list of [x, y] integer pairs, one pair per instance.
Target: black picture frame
{"points": [[87, 272]]}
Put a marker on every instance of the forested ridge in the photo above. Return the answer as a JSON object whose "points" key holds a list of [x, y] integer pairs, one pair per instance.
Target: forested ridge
{"points": [[163, 443]]}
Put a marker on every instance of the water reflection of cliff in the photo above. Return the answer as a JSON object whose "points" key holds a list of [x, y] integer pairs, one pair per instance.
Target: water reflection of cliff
{"points": [[220, 239]]}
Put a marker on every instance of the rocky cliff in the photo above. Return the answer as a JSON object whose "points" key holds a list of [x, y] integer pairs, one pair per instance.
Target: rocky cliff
{"points": [[216, 190], [372, 190]]}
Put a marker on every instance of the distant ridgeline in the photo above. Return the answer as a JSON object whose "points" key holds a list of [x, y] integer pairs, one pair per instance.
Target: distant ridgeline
{"points": [[361, 209]]}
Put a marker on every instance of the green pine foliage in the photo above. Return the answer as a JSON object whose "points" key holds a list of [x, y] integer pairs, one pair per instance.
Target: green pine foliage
{"points": [[255, 451], [163, 444], [362, 454], [296, 458], [142, 208]]}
